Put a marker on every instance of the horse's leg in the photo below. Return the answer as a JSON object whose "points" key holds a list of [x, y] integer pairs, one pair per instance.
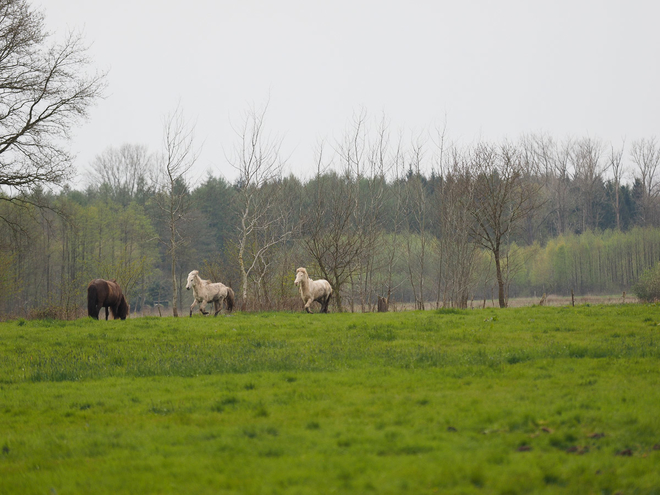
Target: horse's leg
{"points": [[106, 313], [202, 307], [114, 310], [308, 304], [192, 306], [218, 306]]}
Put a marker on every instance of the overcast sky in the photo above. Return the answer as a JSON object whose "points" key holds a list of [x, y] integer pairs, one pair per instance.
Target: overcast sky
{"points": [[491, 69]]}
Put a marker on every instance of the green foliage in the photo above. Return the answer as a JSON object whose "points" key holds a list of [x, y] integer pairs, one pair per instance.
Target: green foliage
{"points": [[648, 287], [531, 400], [596, 262]]}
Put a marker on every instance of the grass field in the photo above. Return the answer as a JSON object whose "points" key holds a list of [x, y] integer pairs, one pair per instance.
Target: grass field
{"points": [[523, 400]]}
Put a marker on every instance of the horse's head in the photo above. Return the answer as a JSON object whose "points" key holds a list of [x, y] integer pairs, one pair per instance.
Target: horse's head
{"points": [[191, 279], [123, 309], [301, 274]]}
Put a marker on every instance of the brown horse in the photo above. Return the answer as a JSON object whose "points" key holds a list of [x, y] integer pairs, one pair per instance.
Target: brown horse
{"points": [[106, 294]]}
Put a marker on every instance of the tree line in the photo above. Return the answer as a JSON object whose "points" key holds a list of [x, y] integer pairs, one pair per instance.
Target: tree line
{"points": [[426, 223]]}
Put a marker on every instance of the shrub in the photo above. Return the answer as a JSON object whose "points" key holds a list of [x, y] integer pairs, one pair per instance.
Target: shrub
{"points": [[647, 287]]}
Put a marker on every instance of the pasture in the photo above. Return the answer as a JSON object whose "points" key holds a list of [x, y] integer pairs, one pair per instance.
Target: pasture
{"points": [[523, 400]]}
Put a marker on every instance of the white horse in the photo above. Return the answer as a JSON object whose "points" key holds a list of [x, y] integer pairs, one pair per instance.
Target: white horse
{"points": [[206, 292], [313, 290]]}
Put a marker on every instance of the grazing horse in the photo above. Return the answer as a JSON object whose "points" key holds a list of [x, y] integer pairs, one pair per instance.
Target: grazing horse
{"points": [[206, 292], [313, 290], [106, 294]]}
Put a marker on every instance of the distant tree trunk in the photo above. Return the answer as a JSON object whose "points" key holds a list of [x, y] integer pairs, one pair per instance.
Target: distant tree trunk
{"points": [[244, 280], [175, 285], [500, 279]]}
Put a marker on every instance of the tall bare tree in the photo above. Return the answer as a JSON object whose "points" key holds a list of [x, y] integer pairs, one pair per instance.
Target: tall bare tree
{"points": [[340, 222], [645, 155], [457, 252], [263, 224], [588, 169], [380, 161], [179, 156], [617, 166], [557, 156], [45, 89], [417, 206], [502, 198], [125, 171]]}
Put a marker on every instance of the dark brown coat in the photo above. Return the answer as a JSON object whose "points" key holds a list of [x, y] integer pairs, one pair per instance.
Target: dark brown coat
{"points": [[106, 294]]}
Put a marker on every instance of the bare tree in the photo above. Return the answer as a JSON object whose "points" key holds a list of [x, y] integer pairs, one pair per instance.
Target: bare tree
{"points": [[363, 158], [45, 89], [126, 171], [340, 223], [263, 224], [559, 181], [501, 200], [417, 216], [617, 167], [588, 173], [374, 191], [645, 155], [391, 244], [173, 199], [456, 251], [330, 234]]}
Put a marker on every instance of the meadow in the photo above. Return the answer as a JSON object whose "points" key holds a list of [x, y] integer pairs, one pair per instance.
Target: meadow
{"points": [[522, 400]]}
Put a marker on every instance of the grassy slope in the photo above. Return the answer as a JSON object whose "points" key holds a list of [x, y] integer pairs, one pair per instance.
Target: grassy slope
{"points": [[422, 402]]}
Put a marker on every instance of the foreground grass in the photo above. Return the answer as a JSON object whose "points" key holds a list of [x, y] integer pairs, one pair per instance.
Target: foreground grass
{"points": [[531, 400]]}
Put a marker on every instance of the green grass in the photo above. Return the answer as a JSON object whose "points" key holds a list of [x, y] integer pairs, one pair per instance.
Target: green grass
{"points": [[529, 400]]}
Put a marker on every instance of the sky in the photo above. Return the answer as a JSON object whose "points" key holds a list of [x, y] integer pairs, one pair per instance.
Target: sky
{"points": [[483, 70]]}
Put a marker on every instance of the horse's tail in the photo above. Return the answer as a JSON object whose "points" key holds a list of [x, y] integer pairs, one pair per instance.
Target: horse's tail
{"points": [[92, 299], [230, 299]]}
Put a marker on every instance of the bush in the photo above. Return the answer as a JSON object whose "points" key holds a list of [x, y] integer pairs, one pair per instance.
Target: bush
{"points": [[55, 312], [648, 287]]}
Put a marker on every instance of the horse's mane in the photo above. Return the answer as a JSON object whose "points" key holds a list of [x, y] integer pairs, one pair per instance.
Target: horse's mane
{"points": [[202, 280]]}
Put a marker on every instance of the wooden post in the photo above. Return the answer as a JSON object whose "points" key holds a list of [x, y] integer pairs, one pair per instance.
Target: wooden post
{"points": [[383, 305], [572, 298], [624, 297]]}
